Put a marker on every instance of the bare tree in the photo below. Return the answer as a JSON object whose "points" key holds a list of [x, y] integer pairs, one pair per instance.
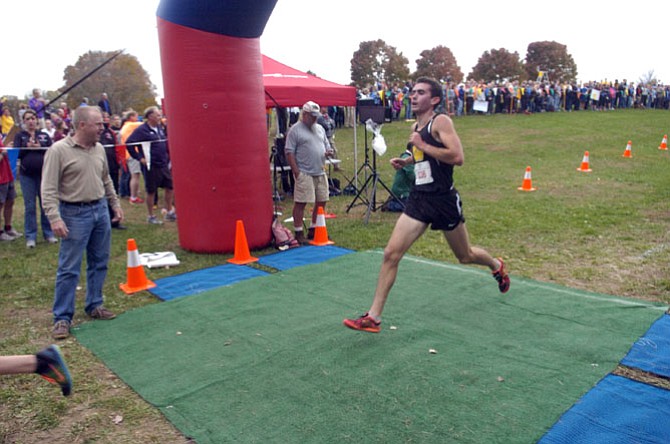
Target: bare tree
{"points": [[649, 78]]}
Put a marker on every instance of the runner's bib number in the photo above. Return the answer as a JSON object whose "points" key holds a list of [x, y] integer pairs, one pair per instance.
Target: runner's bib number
{"points": [[422, 173]]}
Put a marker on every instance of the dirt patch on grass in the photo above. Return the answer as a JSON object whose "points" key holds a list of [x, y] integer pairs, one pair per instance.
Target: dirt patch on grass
{"points": [[642, 376]]}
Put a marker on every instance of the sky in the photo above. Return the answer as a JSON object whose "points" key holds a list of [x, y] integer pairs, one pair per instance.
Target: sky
{"points": [[43, 37]]}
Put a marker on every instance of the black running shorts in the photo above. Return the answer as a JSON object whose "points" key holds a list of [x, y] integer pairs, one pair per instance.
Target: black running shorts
{"points": [[442, 211], [158, 177]]}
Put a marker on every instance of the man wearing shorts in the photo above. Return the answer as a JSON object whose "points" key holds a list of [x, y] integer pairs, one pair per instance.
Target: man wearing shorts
{"points": [[155, 163], [130, 124], [306, 150], [436, 149]]}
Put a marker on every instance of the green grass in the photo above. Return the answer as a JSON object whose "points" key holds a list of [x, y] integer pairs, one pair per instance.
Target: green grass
{"points": [[607, 231]]}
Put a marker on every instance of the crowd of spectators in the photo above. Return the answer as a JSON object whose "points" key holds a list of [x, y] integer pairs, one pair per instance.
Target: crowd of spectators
{"points": [[472, 97], [545, 96], [39, 123]]}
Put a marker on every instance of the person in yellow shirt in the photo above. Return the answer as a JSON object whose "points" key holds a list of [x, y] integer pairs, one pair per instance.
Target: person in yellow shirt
{"points": [[7, 121]]}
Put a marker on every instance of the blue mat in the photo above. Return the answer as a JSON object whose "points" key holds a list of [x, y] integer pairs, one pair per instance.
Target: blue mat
{"points": [[296, 257], [651, 352], [199, 281], [617, 410]]}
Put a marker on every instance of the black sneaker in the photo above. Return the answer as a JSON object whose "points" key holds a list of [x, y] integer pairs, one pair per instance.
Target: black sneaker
{"points": [[300, 237]]}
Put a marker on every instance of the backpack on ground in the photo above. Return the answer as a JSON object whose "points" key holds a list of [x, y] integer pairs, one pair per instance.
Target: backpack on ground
{"points": [[282, 237]]}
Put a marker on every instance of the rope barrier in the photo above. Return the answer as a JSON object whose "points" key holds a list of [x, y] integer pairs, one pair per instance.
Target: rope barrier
{"points": [[9, 148]]}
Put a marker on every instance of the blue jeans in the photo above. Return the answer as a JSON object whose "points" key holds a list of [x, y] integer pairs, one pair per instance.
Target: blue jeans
{"points": [[89, 230], [124, 184], [30, 187], [408, 111]]}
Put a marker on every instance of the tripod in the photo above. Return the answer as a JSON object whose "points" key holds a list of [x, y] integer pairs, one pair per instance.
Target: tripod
{"points": [[278, 164], [372, 180]]}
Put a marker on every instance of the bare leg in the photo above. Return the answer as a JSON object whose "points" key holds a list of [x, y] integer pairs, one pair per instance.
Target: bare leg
{"points": [[12, 365], [8, 212], [405, 233], [298, 214], [134, 185], [459, 242], [150, 203], [169, 194]]}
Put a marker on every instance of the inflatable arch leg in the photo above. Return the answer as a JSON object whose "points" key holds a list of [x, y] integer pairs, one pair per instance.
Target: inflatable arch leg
{"points": [[215, 104]]}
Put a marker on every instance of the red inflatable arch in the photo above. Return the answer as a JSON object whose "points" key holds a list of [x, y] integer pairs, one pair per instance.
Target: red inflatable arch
{"points": [[212, 73]]}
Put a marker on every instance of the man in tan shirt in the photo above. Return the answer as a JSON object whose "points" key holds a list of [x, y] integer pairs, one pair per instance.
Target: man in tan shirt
{"points": [[75, 190]]}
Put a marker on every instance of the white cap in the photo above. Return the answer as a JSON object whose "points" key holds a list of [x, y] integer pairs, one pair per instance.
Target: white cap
{"points": [[311, 108]]}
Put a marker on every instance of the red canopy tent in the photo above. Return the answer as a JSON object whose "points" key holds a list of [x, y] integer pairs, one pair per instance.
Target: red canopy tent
{"points": [[290, 87], [287, 87]]}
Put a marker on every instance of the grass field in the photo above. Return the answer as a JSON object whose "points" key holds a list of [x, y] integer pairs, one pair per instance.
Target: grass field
{"points": [[606, 231]]}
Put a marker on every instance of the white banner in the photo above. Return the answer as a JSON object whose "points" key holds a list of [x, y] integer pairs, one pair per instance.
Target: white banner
{"points": [[481, 105]]}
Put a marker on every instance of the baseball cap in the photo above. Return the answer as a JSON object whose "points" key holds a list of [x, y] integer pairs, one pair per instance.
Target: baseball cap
{"points": [[312, 108]]}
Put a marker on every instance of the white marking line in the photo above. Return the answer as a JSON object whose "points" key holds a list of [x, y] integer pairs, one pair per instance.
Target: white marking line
{"points": [[533, 284]]}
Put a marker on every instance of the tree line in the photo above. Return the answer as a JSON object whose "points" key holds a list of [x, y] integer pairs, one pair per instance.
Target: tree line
{"points": [[128, 85], [377, 62]]}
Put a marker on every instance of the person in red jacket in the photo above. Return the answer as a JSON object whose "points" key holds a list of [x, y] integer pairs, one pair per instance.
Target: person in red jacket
{"points": [[7, 197]]}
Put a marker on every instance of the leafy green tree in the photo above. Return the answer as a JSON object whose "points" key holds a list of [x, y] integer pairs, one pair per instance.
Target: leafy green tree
{"points": [[498, 65], [551, 58], [124, 80], [375, 61], [438, 63]]}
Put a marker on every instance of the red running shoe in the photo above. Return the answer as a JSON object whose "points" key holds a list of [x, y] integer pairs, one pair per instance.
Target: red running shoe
{"points": [[502, 277], [364, 323], [136, 200]]}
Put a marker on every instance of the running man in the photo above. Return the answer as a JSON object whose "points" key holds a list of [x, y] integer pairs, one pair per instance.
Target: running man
{"points": [[433, 201]]}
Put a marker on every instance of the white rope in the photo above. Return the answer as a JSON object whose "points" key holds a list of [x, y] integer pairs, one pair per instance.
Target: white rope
{"points": [[9, 148]]}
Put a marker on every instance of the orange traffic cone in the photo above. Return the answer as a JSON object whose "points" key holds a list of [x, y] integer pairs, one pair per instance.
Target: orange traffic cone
{"points": [[328, 215], [585, 168], [320, 231], [242, 255], [527, 184], [628, 152], [137, 279], [664, 143]]}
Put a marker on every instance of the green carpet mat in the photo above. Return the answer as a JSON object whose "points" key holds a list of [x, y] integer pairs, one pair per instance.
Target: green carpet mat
{"points": [[268, 360]]}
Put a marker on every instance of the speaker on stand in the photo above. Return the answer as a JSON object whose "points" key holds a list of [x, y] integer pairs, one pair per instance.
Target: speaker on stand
{"points": [[367, 193]]}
